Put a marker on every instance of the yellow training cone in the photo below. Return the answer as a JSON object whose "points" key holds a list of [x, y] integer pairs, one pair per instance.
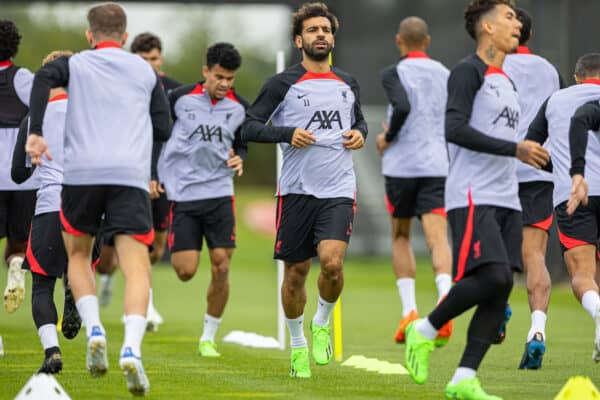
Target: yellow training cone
{"points": [[578, 388]]}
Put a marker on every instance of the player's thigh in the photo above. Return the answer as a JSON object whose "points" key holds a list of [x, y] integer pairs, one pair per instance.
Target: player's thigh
{"points": [[578, 229], [186, 230], [219, 224], [429, 196], [476, 239], [511, 227], [401, 227], [333, 228], [401, 196], [20, 213], [296, 215], [82, 208], [536, 204], [46, 253]]}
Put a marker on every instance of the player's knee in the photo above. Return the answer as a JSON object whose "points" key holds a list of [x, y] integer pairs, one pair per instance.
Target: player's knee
{"points": [[295, 277], [332, 268], [502, 278], [184, 271], [220, 272]]}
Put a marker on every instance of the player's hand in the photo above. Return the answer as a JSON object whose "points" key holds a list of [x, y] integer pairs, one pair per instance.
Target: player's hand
{"points": [[579, 194], [156, 188], [235, 163], [380, 140], [302, 138], [35, 147], [532, 153], [355, 140]]}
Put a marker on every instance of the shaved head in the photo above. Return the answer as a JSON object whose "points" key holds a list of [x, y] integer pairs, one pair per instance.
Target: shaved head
{"points": [[413, 31]]}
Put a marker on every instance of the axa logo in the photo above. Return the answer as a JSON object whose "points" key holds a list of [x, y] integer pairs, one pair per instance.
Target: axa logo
{"points": [[511, 116], [325, 119], [207, 132]]}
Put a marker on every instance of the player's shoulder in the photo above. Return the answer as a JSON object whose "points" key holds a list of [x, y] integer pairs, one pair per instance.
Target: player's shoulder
{"points": [[345, 76], [469, 71], [237, 98], [184, 90]]}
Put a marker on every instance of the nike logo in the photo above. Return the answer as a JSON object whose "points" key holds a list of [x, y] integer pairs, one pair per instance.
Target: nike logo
{"points": [[300, 96]]}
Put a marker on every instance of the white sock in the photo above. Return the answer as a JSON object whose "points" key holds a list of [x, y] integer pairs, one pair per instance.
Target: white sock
{"points": [[443, 283], [89, 312], [211, 324], [406, 288], [462, 373], [425, 328], [538, 324], [106, 279], [295, 327], [324, 309], [135, 327], [48, 336], [591, 301], [150, 302]]}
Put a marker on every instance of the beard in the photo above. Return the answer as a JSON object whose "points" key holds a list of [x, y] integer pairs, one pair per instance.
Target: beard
{"points": [[316, 54]]}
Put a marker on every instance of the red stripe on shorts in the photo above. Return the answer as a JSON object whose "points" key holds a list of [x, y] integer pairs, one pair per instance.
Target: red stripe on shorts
{"points": [[545, 224], [67, 226], [465, 246], [570, 242]]}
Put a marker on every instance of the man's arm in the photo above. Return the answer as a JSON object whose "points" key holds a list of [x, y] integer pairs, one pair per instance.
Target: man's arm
{"points": [[585, 119], [19, 171], [53, 74], [240, 148], [161, 124], [463, 84], [538, 129], [398, 98], [255, 128]]}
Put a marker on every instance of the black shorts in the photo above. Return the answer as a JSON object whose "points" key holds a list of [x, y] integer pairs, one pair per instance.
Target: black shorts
{"points": [[126, 210], [582, 227], [191, 221], [46, 254], [160, 213], [304, 220], [409, 197], [16, 210], [485, 235], [536, 202]]}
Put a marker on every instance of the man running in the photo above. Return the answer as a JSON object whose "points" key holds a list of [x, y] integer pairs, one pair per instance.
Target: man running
{"points": [[313, 111], [197, 168], [414, 165], [577, 226], [535, 187], [481, 196], [116, 107], [17, 202]]}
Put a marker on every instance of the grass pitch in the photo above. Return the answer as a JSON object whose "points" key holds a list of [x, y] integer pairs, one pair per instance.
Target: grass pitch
{"points": [[371, 309]]}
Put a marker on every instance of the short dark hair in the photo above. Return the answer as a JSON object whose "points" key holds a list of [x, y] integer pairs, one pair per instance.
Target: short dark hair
{"points": [[9, 39], [588, 65], [107, 19], [223, 54], [476, 9], [527, 24], [145, 42], [312, 10]]}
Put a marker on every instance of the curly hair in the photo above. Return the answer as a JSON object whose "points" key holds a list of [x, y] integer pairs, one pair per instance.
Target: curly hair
{"points": [[56, 54], [478, 8], [9, 39], [225, 55], [145, 42], [312, 10]]}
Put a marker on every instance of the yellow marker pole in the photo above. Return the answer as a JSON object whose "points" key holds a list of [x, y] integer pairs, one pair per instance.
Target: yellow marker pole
{"points": [[337, 310], [337, 330]]}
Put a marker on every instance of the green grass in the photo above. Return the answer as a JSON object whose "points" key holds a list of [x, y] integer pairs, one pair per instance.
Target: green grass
{"points": [[371, 309]]}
